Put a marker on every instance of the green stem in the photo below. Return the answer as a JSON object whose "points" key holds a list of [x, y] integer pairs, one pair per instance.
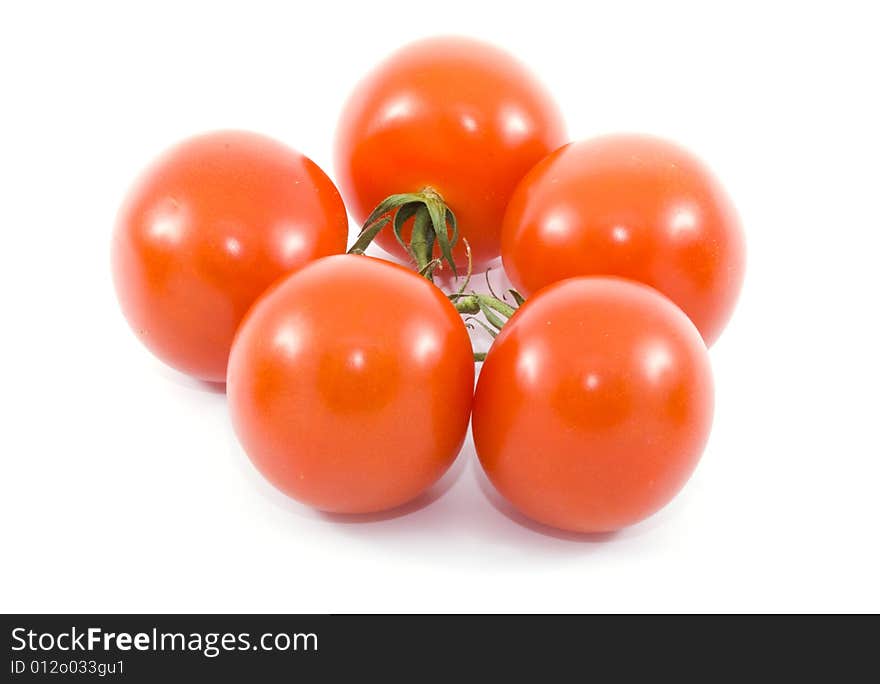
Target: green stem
{"points": [[498, 305], [418, 244], [466, 304], [470, 304], [473, 303]]}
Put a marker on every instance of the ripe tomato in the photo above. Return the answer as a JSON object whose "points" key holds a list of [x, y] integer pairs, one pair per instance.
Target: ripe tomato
{"points": [[630, 206], [593, 405], [208, 227], [350, 384], [453, 114]]}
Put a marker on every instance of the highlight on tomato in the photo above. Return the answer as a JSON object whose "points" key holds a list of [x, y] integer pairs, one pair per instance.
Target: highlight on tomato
{"points": [[350, 384], [594, 404], [450, 119], [632, 206], [206, 229]]}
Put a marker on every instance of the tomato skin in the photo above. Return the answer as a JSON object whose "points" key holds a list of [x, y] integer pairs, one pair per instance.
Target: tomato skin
{"points": [[207, 228], [454, 114], [631, 206], [593, 405], [350, 384]]}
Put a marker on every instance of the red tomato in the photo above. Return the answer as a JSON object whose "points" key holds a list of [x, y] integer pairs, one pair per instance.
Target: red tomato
{"points": [[350, 384], [207, 228], [593, 405], [453, 114], [630, 206]]}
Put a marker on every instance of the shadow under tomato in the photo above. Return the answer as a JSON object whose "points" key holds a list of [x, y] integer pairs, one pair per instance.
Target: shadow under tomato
{"points": [[213, 387], [507, 510], [183, 380], [443, 485]]}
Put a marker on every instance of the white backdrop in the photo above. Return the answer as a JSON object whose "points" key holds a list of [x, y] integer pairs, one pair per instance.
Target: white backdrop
{"points": [[122, 486]]}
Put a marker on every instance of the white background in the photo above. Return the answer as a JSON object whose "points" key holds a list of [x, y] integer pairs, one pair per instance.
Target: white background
{"points": [[122, 485]]}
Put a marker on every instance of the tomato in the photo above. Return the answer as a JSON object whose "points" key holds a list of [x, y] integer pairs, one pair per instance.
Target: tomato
{"points": [[593, 405], [453, 114], [207, 228], [630, 206], [350, 384]]}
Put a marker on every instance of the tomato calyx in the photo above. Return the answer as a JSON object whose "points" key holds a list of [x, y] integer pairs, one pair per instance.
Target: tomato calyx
{"points": [[433, 222]]}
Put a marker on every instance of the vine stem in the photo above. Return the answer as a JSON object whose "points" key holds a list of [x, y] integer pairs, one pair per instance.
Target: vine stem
{"points": [[473, 303]]}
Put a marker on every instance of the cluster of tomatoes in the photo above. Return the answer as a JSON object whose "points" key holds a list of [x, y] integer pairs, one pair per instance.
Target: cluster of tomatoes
{"points": [[350, 379]]}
